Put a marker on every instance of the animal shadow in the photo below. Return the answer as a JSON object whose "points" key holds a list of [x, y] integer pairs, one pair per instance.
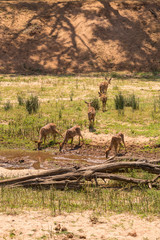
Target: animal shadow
{"points": [[76, 147]]}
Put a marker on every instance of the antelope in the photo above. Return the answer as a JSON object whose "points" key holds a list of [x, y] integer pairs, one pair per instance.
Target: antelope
{"points": [[70, 134], [103, 99], [116, 142], [50, 128], [104, 85], [91, 113]]}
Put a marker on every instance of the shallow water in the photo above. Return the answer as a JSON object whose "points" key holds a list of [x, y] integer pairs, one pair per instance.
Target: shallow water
{"points": [[19, 159]]}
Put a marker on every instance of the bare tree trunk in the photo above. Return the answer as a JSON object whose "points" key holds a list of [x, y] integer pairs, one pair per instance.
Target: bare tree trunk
{"points": [[74, 178]]}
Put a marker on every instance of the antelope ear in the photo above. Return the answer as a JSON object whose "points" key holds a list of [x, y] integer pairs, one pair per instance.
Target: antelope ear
{"points": [[36, 141], [86, 102]]}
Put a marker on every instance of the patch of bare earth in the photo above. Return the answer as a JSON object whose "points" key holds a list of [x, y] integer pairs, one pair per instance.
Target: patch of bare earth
{"points": [[97, 139], [41, 225], [79, 36]]}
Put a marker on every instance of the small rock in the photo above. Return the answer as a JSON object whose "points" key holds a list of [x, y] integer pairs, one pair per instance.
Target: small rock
{"points": [[58, 228], [94, 220], [70, 235], [21, 160], [132, 234], [64, 229], [82, 237]]}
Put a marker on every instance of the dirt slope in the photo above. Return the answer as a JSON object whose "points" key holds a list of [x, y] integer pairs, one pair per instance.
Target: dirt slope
{"points": [[72, 37]]}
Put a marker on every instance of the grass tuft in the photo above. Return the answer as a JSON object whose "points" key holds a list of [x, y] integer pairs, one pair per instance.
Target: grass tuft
{"points": [[32, 104]]}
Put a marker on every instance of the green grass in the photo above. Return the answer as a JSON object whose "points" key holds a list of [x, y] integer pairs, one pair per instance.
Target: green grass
{"points": [[61, 100], [141, 201]]}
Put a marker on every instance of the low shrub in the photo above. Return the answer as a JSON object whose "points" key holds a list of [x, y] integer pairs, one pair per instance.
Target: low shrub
{"points": [[7, 106], [32, 104], [21, 100], [132, 101], [119, 101], [95, 103]]}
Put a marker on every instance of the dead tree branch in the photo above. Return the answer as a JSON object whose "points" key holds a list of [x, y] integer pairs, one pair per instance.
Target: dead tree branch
{"points": [[75, 178]]}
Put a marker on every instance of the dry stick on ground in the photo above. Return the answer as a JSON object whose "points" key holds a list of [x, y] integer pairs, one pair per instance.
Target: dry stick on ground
{"points": [[60, 178], [61, 184], [54, 172], [112, 167], [127, 158]]}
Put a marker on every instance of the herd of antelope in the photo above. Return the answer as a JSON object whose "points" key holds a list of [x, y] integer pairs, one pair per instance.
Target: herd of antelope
{"points": [[50, 128]]}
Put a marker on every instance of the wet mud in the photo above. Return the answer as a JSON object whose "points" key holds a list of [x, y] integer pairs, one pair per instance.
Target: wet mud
{"points": [[49, 158]]}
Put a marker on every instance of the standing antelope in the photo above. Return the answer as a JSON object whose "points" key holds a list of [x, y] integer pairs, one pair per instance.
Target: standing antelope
{"points": [[50, 128], [91, 114], [104, 85], [116, 142], [103, 99], [70, 134]]}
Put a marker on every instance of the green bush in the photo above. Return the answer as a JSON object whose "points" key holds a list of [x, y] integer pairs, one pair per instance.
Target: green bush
{"points": [[7, 106], [32, 104], [129, 101], [95, 103], [132, 101], [119, 101], [20, 100]]}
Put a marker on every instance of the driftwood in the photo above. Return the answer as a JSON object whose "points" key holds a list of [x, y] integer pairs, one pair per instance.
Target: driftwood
{"points": [[75, 177]]}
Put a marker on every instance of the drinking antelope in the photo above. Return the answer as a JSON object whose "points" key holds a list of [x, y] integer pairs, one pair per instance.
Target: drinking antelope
{"points": [[50, 128], [103, 99], [70, 134], [104, 85], [116, 142], [91, 114]]}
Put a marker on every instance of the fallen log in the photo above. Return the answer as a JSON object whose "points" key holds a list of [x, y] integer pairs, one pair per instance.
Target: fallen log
{"points": [[78, 183], [54, 172], [112, 167], [61, 185], [134, 159], [62, 177]]}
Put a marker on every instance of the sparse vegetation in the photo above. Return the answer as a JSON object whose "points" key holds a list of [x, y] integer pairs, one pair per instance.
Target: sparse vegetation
{"points": [[95, 103], [32, 104], [21, 100], [119, 101], [7, 106], [142, 201], [132, 101], [56, 107]]}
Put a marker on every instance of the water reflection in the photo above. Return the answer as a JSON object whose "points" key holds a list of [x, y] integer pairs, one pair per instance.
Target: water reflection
{"points": [[18, 159]]}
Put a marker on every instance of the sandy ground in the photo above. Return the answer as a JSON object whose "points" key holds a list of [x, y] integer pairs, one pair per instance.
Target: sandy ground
{"points": [[62, 37], [104, 138], [41, 225], [18, 173]]}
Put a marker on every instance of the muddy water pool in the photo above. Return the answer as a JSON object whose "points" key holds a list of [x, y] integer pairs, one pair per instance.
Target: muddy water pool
{"points": [[19, 159]]}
